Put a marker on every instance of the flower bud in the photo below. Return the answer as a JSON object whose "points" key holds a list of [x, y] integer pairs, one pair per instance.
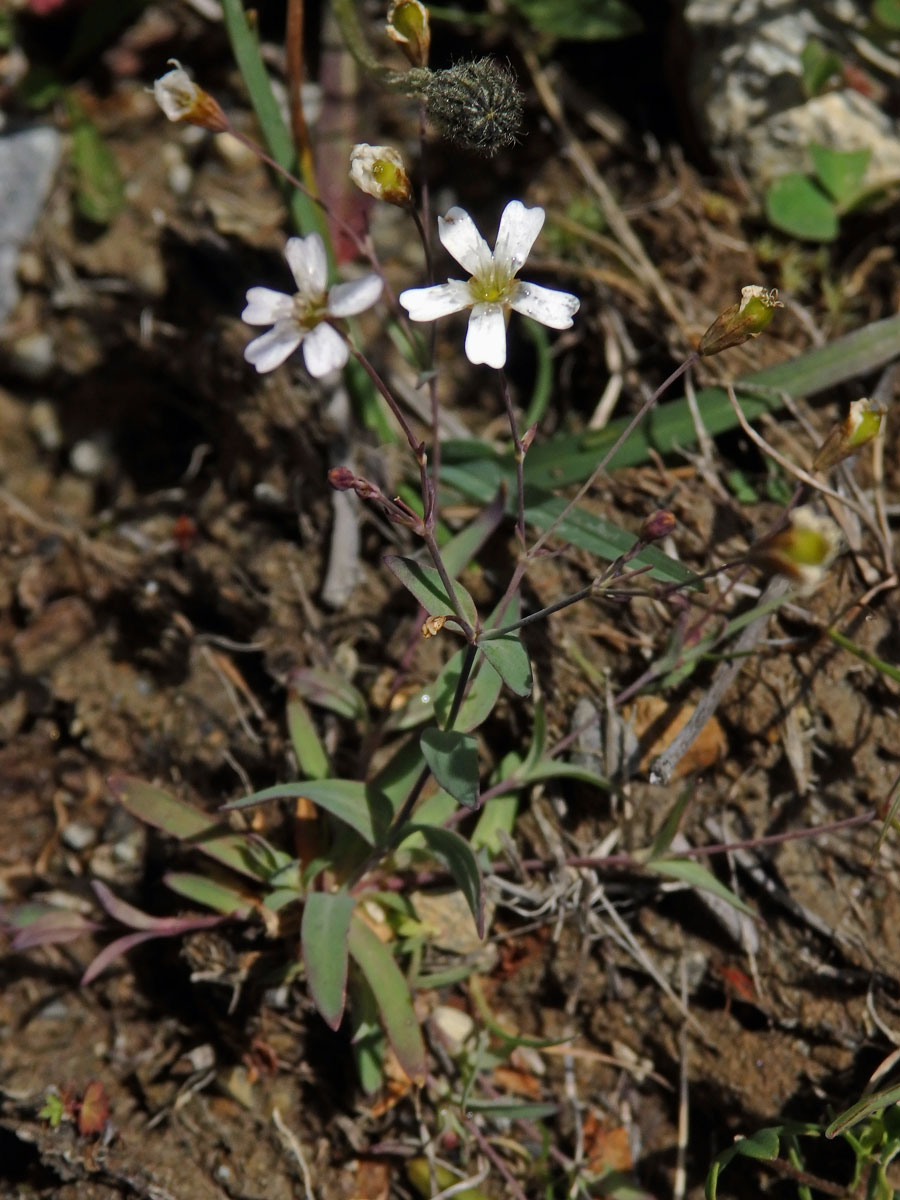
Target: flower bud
{"points": [[182, 100], [861, 425], [741, 321], [408, 25], [528, 437], [475, 104], [341, 479], [658, 525], [804, 550], [378, 171]]}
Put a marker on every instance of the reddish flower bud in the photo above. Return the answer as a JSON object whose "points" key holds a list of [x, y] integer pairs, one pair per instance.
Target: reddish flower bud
{"points": [[341, 479], [658, 525]]}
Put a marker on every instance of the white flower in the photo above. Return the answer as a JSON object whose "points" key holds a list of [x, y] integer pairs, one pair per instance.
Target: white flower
{"points": [[493, 288], [303, 317], [182, 100], [175, 92]]}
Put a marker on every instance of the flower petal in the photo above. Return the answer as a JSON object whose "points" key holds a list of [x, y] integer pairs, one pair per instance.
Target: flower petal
{"points": [[486, 335], [519, 227], [427, 304], [460, 237], [348, 299], [271, 349], [266, 306], [309, 265], [324, 351], [547, 305]]}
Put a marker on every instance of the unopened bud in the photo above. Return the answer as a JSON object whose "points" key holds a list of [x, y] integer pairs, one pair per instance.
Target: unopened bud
{"points": [[408, 25], [379, 172], [475, 104], [341, 479], [658, 525], [804, 550], [861, 425], [182, 100], [528, 437], [741, 321]]}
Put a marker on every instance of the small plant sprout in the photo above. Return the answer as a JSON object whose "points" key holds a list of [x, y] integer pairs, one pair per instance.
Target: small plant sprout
{"points": [[741, 321], [861, 425], [804, 550], [408, 25], [492, 290], [379, 171], [305, 316], [183, 101]]}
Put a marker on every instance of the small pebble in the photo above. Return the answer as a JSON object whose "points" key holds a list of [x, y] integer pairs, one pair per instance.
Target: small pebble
{"points": [[44, 423], [89, 458], [78, 835], [33, 355]]}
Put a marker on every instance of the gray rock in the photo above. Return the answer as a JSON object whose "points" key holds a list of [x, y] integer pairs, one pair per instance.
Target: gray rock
{"points": [[745, 85], [28, 161]]}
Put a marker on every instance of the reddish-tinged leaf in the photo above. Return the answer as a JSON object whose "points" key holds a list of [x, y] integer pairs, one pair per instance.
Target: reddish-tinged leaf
{"points": [[167, 927], [126, 913], [111, 952], [94, 1111], [53, 929]]}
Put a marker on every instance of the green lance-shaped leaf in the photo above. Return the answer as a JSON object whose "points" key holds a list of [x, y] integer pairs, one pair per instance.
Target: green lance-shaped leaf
{"points": [[509, 659], [428, 588], [392, 995], [214, 894], [324, 934], [359, 805], [481, 693], [186, 823], [453, 759], [875, 1103], [456, 855], [329, 689], [307, 745], [698, 876]]}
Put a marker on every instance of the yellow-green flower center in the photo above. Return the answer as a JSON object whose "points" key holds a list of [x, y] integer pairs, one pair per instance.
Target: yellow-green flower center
{"points": [[490, 289], [308, 313]]}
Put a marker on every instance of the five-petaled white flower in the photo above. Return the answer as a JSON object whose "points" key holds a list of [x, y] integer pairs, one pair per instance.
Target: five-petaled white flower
{"points": [[304, 316], [493, 288]]}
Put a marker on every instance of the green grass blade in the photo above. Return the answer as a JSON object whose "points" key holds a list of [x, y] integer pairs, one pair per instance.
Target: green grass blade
{"points": [[307, 215]]}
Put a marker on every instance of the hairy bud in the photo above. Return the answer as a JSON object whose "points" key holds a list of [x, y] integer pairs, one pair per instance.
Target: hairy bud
{"points": [[475, 104]]}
